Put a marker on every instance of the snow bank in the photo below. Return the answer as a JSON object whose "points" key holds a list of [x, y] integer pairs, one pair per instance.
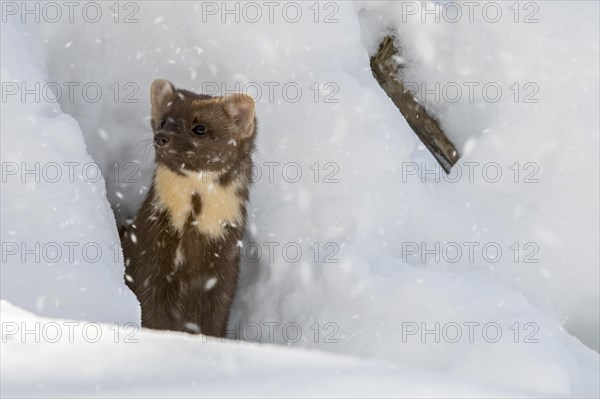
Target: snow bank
{"points": [[357, 287], [540, 131], [99, 360], [60, 253]]}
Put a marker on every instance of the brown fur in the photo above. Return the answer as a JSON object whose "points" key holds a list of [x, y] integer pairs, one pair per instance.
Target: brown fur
{"points": [[182, 250]]}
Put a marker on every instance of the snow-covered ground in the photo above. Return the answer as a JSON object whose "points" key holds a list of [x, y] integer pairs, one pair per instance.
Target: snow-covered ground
{"points": [[364, 276]]}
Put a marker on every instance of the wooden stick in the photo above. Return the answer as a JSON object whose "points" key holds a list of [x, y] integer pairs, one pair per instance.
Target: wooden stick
{"points": [[426, 127]]}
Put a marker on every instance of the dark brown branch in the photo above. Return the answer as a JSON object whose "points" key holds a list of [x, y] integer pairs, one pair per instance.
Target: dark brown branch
{"points": [[386, 70]]}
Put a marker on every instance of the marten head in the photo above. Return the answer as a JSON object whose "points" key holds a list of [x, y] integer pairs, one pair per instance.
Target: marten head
{"points": [[195, 132]]}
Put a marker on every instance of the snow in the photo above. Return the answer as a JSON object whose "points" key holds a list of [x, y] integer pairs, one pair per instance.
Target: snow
{"points": [[350, 280], [60, 254], [186, 366], [551, 141]]}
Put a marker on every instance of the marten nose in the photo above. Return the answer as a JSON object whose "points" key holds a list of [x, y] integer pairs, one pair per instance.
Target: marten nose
{"points": [[161, 139]]}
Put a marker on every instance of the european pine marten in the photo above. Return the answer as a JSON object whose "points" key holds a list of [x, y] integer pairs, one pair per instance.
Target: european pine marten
{"points": [[182, 250]]}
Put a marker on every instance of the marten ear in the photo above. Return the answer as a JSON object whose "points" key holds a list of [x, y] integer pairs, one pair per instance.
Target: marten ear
{"points": [[241, 108], [161, 94]]}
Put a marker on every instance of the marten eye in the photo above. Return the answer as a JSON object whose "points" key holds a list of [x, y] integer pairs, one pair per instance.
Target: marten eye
{"points": [[199, 130], [162, 123]]}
